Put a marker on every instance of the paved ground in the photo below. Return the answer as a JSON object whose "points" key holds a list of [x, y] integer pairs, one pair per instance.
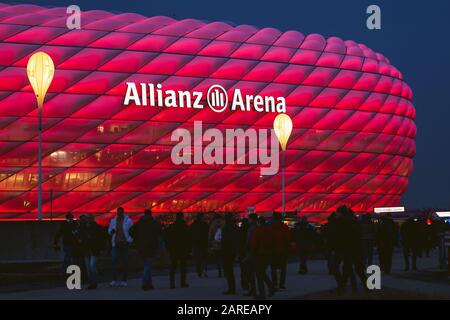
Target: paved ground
{"points": [[428, 283]]}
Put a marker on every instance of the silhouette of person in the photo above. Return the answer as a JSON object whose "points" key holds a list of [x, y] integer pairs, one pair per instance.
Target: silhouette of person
{"points": [[368, 238], [178, 243], [387, 238], [119, 230], [66, 234], [304, 240], [147, 235], [230, 246], [411, 242], [215, 241], [199, 234], [243, 229], [262, 243], [282, 240], [328, 241], [250, 258], [354, 252], [93, 243]]}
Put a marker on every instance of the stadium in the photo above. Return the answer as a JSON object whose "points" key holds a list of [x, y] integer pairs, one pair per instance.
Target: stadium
{"points": [[352, 142]]}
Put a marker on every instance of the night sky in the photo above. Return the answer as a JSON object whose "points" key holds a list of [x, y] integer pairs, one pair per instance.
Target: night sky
{"points": [[414, 36]]}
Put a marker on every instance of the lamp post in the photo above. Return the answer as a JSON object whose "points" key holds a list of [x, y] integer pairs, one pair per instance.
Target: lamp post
{"points": [[40, 71], [283, 129]]}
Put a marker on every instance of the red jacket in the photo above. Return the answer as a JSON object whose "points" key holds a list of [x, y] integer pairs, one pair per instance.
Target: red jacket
{"points": [[281, 237], [262, 241]]}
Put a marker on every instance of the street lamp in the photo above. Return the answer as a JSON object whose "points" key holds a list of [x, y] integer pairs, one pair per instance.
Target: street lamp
{"points": [[283, 129], [40, 71]]}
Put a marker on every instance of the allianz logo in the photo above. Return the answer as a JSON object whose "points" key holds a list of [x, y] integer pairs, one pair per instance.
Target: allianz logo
{"points": [[217, 98]]}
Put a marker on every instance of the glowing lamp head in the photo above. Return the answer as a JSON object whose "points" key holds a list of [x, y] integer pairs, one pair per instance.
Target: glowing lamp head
{"points": [[283, 129], [40, 71]]}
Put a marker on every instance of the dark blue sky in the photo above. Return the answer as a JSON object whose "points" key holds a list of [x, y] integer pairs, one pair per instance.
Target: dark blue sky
{"points": [[414, 37]]}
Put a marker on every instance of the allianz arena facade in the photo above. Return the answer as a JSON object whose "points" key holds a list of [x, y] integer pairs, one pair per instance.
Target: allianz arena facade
{"points": [[352, 143]]}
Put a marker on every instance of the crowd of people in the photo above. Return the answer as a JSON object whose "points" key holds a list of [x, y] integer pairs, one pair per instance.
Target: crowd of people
{"points": [[260, 247]]}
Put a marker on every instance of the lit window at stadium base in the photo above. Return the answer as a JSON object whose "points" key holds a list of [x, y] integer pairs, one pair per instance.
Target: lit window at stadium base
{"points": [[233, 144]]}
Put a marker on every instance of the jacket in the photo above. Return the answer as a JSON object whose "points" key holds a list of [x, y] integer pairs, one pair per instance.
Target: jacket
{"points": [[304, 236], [281, 237], [262, 241], [93, 239], [127, 224], [230, 239], [387, 233], [199, 234], [178, 240], [146, 233], [67, 231]]}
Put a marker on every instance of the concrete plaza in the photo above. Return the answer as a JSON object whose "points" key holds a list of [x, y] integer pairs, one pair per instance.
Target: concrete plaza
{"points": [[315, 285]]}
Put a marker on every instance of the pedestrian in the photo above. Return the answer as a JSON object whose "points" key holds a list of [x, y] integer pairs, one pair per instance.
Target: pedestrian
{"points": [[215, 241], [262, 249], [430, 239], [353, 253], [199, 234], [79, 251], [93, 242], [67, 234], [230, 247], [119, 230], [386, 238], [146, 234], [178, 243], [303, 236], [282, 241], [368, 238], [242, 253], [440, 229], [328, 239], [411, 242], [249, 260]]}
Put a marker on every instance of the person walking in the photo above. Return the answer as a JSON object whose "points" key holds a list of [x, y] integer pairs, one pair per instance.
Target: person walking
{"points": [[249, 260], [304, 240], [367, 238], [147, 233], [119, 230], [67, 235], [199, 233], [93, 242], [178, 243], [353, 251], [282, 241], [440, 229], [230, 247], [262, 244], [328, 239], [411, 242], [242, 254], [79, 251], [215, 241], [387, 238]]}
